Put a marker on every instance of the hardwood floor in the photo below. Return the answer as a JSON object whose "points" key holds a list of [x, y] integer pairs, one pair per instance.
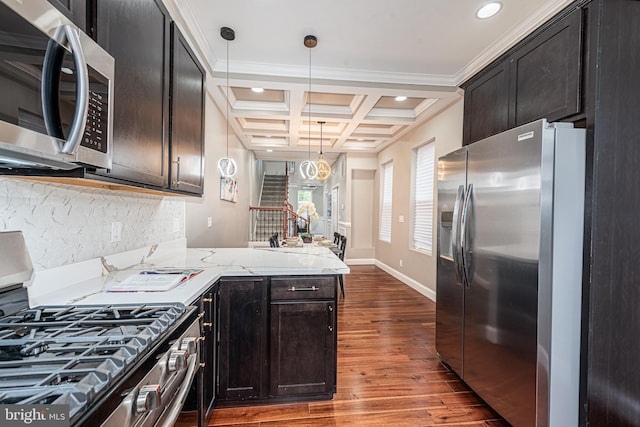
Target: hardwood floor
{"points": [[388, 371]]}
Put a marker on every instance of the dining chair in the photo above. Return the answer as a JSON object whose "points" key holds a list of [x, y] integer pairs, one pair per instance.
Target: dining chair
{"points": [[275, 240], [343, 248], [273, 243]]}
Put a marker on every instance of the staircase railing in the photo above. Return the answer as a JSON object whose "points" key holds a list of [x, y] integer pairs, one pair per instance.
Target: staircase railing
{"points": [[283, 221]]}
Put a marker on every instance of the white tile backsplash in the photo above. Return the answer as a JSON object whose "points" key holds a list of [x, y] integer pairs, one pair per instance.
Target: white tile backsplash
{"points": [[65, 224]]}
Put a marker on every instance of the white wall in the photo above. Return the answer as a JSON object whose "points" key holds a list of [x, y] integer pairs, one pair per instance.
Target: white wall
{"points": [[230, 221], [418, 268], [63, 224]]}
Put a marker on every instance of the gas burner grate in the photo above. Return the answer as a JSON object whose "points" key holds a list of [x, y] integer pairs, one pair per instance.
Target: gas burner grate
{"points": [[71, 354]]}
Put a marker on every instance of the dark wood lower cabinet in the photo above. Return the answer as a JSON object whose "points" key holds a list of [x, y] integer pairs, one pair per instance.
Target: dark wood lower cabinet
{"points": [[277, 338], [242, 338], [209, 346], [303, 338]]}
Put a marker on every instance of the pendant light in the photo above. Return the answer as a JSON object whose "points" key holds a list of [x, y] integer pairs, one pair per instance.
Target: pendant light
{"points": [[309, 168], [226, 165], [324, 168]]}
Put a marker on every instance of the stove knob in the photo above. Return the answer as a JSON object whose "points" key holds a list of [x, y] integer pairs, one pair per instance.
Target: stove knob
{"points": [[177, 360], [148, 398], [189, 345]]}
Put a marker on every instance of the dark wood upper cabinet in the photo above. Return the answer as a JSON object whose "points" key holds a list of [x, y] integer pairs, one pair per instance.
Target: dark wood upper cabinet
{"points": [[75, 10], [546, 74], [137, 35], [486, 104], [187, 117], [541, 77]]}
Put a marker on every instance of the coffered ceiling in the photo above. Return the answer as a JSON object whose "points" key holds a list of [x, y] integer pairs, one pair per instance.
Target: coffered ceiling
{"points": [[368, 53]]}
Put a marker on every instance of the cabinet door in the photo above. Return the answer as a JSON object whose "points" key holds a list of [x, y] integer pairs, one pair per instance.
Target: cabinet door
{"points": [[75, 10], [302, 348], [242, 347], [546, 73], [208, 302], [486, 104], [136, 34], [187, 117]]}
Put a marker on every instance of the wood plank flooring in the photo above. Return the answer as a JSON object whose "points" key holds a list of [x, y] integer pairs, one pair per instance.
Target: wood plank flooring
{"points": [[388, 371]]}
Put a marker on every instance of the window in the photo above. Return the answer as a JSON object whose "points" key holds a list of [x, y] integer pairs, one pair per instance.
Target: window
{"points": [[423, 197], [304, 196], [387, 197]]}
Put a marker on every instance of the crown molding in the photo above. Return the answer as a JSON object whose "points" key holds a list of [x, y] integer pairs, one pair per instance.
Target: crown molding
{"points": [[519, 32], [296, 71]]}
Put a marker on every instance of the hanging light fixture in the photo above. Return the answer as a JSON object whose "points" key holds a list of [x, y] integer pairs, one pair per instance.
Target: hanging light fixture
{"points": [[309, 168], [324, 168], [226, 165]]}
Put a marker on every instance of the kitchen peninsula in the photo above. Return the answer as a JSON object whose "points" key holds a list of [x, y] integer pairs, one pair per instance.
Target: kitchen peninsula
{"points": [[261, 310]]}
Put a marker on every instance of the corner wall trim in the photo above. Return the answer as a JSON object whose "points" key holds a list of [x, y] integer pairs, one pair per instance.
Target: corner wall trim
{"points": [[407, 280]]}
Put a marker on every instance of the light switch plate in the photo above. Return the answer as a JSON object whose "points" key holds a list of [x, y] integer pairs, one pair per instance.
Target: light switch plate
{"points": [[209, 222], [401, 218]]}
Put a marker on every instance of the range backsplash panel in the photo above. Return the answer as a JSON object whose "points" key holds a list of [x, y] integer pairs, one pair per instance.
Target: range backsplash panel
{"points": [[64, 224]]}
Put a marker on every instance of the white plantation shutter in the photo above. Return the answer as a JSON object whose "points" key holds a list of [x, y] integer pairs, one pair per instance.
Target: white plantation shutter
{"points": [[387, 196], [423, 197]]}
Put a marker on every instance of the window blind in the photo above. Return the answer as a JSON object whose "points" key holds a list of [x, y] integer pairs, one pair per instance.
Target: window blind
{"points": [[423, 198], [387, 196]]}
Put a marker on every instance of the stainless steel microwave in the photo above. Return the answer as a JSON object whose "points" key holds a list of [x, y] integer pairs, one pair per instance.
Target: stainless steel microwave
{"points": [[56, 91]]}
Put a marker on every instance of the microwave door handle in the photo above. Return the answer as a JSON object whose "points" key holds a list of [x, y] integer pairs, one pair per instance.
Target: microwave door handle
{"points": [[455, 247], [82, 92], [465, 245], [50, 85]]}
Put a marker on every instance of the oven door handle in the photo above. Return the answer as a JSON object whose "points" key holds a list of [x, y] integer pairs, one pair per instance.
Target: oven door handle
{"points": [[49, 91], [177, 390]]}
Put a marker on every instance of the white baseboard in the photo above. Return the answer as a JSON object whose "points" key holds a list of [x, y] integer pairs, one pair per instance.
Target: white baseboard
{"points": [[407, 280], [361, 261]]}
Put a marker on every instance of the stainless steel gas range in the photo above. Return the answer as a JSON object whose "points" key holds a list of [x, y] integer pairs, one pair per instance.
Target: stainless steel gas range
{"points": [[114, 365]]}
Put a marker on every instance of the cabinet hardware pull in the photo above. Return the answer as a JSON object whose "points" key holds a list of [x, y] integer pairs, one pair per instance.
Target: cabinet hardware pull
{"points": [[201, 315], [207, 299], [202, 364], [207, 324], [330, 328], [294, 289], [176, 181], [202, 338], [330, 308]]}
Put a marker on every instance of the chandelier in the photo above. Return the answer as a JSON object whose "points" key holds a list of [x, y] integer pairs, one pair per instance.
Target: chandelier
{"points": [[226, 165]]}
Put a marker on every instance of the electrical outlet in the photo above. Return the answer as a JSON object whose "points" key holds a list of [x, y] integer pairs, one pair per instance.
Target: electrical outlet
{"points": [[176, 225], [400, 263], [401, 218], [116, 231], [209, 222]]}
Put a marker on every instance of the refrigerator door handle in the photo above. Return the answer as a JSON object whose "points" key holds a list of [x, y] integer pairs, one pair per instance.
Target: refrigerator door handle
{"points": [[467, 272], [455, 246]]}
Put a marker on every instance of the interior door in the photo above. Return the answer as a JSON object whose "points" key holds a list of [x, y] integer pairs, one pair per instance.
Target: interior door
{"points": [[335, 209]]}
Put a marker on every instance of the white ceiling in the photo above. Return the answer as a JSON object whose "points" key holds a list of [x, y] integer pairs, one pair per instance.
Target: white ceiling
{"points": [[368, 52]]}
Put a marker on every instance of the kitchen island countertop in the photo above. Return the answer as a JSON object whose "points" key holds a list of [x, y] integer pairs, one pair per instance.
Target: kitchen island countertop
{"points": [[89, 282]]}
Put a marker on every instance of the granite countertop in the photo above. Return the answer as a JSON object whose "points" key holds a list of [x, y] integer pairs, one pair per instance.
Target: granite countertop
{"points": [[92, 280]]}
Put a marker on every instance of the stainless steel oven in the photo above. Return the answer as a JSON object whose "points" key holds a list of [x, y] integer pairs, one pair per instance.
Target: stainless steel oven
{"points": [[111, 365], [57, 91]]}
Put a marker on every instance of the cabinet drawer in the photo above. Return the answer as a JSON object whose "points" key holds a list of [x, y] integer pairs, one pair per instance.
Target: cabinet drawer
{"points": [[292, 288]]}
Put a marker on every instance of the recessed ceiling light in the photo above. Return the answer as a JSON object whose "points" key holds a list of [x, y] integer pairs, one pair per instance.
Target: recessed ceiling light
{"points": [[269, 151], [257, 89], [268, 136], [400, 98], [488, 10], [360, 139]]}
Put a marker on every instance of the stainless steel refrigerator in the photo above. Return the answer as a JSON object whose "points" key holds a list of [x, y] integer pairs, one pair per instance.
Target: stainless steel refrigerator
{"points": [[509, 280]]}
